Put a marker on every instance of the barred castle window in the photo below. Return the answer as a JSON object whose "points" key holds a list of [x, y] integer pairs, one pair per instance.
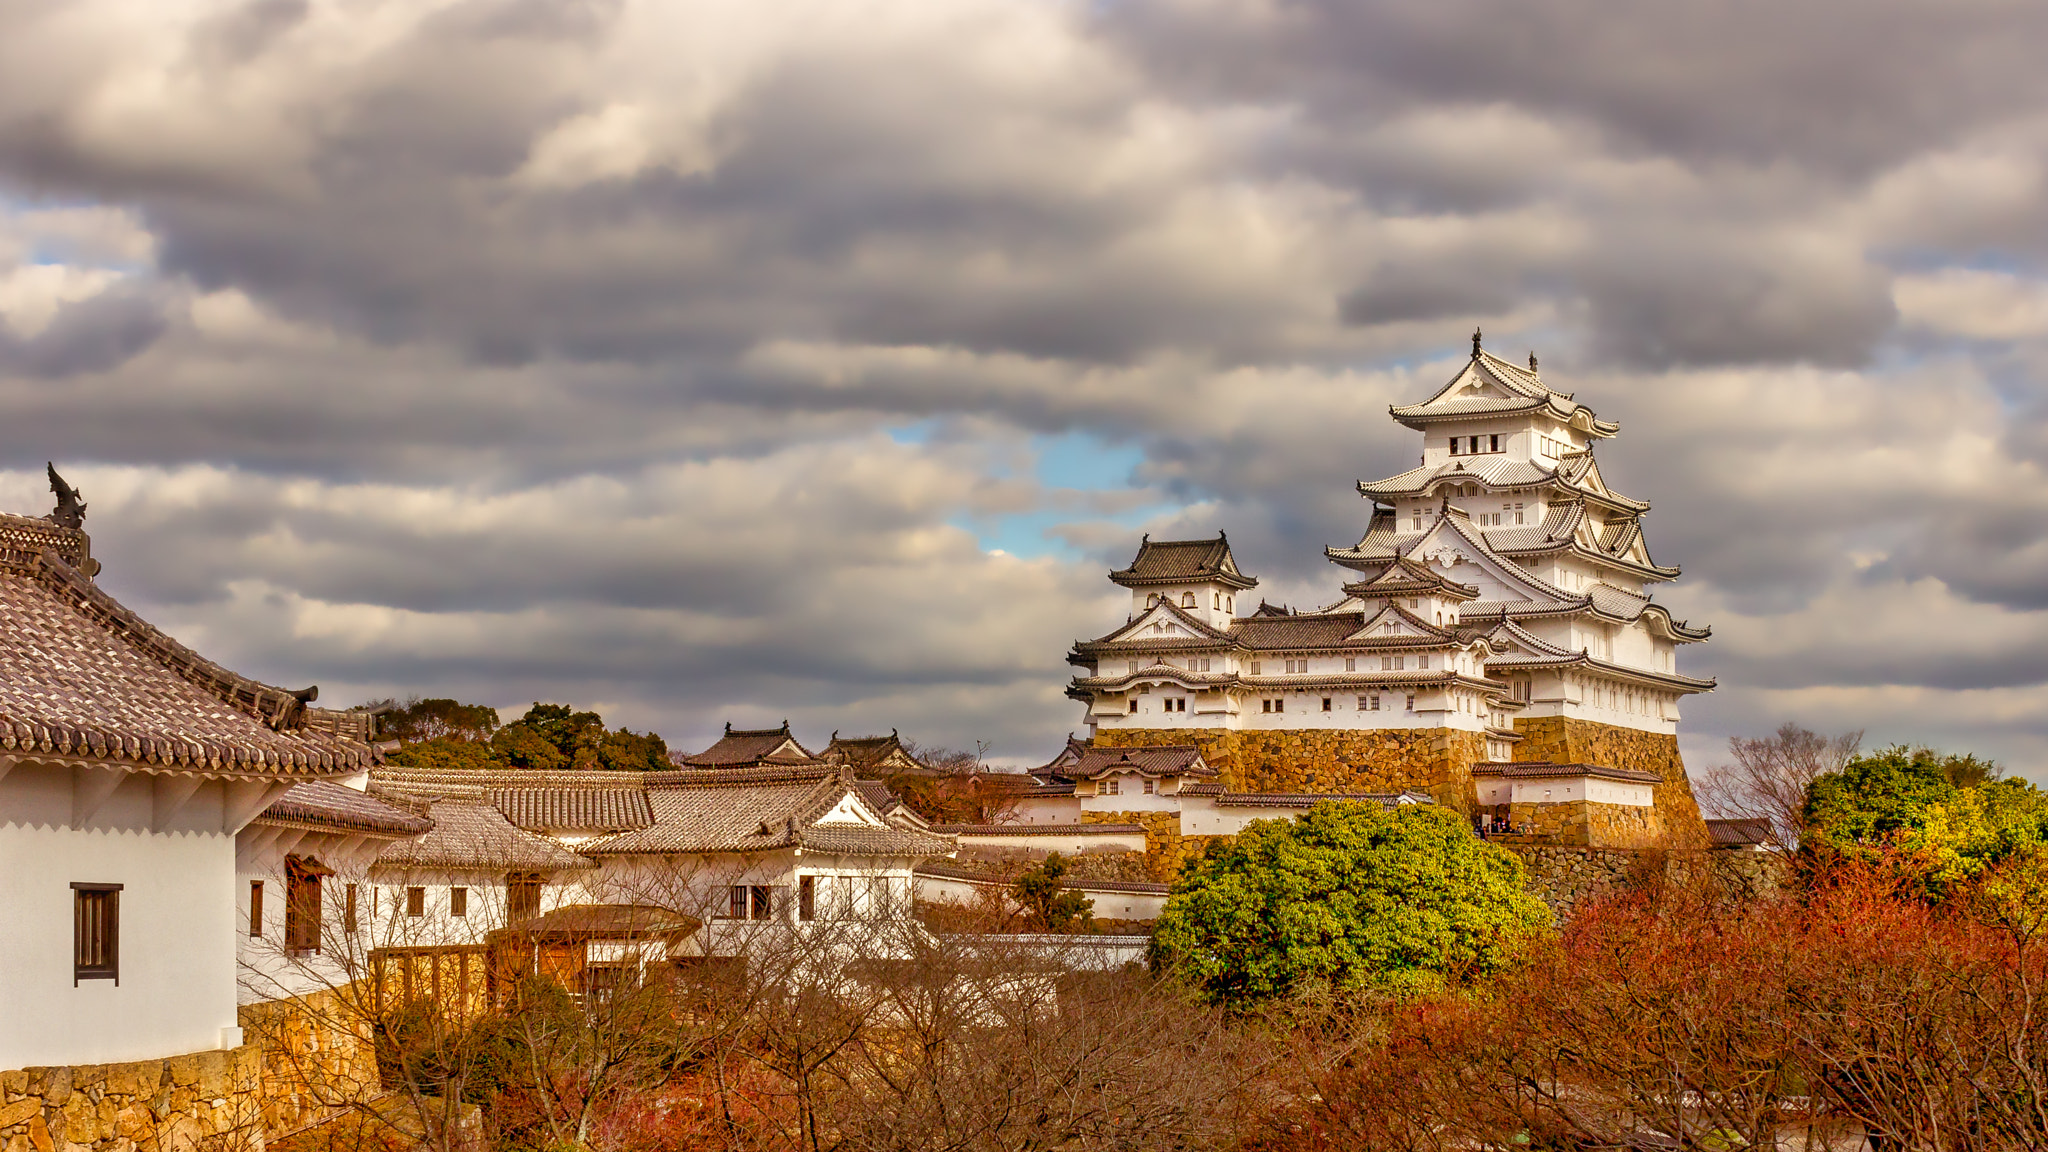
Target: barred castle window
{"points": [[95, 932]]}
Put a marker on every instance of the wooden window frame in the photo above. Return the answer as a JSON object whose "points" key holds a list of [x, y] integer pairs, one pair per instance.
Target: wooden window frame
{"points": [[255, 909], [415, 901], [522, 896], [763, 900], [348, 908], [807, 897], [458, 901], [107, 897]]}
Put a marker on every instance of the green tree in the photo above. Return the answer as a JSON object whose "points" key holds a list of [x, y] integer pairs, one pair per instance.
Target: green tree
{"points": [[1352, 895], [430, 719], [1049, 904], [445, 734], [1942, 819]]}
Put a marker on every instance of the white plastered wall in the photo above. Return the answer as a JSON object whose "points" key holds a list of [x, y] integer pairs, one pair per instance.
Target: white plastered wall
{"points": [[176, 865]]}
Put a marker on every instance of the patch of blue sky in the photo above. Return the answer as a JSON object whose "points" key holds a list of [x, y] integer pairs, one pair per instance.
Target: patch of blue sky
{"points": [[918, 433], [1085, 479]]}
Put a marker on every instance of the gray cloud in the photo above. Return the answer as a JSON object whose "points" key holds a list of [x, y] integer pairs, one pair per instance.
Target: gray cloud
{"points": [[659, 357]]}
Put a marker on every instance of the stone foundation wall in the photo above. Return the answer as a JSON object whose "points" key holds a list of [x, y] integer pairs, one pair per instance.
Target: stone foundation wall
{"points": [[205, 1100], [1165, 848], [1567, 877], [1588, 823], [319, 1056], [1562, 740], [1433, 760]]}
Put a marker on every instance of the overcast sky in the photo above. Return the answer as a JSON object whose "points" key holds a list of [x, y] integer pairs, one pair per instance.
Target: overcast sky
{"points": [[705, 361]]}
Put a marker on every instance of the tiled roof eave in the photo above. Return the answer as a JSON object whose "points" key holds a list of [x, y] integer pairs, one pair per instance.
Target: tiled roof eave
{"points": [[1229, 579]]}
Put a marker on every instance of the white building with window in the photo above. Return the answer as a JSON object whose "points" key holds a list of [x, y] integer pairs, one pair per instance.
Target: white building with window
{"points": [[1500, 578], [128, 766]]}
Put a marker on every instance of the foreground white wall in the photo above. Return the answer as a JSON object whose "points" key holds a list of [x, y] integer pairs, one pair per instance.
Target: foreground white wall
{"points": [[177, 949]]}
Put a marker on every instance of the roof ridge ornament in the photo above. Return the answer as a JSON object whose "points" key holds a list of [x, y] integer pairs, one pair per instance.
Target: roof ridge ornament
{"points": [[1532, 362], [1475, 342], [70, 509]]}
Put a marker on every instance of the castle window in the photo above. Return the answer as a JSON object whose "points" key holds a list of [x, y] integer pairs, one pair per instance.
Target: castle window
{"points": [[1205, 663], [1230, 603], [1326, 704], [1280, 705], [1130, 665], [1187, 599], [1134, 707], [1150, 786], [1518, 514], [1411, 701], [255, 907], [95, 932], [1265, 705], [1454, 446], [1420, 661], [1215, 600], [1255, 667], [1110, 786], [1496, 443], [1369, 703], [415, 901], [1350, 664]]}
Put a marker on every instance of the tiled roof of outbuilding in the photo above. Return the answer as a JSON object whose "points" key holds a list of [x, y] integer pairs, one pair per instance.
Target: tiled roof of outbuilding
{"points": [[748, 746], [758, 810], [1746, 833], [1038, 829], [865, 752], [470, 835], [82, 676], [1154, 760], [574, 809], [1542, 770], [1311, 799], [1183, 562], [325, 804]]}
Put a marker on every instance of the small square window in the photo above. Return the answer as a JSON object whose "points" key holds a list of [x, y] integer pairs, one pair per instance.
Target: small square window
{"points": [[96, 932], [1350, 664], [1134, 707], [415, 901], [1411, 702], [1422, 661], [1255, 667], [1150, 787], [1280, 705], [458, 901], [1326, 704]]}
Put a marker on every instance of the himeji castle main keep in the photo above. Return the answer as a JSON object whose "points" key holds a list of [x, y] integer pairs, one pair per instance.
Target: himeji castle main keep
{"points": [[1496, 644]]}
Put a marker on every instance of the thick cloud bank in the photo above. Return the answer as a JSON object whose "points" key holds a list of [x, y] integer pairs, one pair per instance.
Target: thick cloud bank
{"points": [[707, 361]]}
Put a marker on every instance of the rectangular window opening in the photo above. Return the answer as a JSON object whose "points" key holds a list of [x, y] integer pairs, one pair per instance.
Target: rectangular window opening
{"points": [[255, 907], [415, 901], [807, 898], [95, 932], [458, 901]]}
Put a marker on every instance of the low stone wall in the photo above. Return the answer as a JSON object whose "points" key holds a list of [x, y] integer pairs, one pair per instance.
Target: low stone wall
{"points": [[205, 1100], [1567, 877], [1562, 740], [1165, 847], [319, 1056], [1591, 824], [1433, 760]]}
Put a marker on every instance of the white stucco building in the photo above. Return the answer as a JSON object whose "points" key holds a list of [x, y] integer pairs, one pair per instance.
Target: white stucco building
{"points": [[1500, 577], [128, 765]]}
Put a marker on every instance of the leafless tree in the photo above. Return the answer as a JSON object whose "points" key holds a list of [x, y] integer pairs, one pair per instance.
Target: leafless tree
{"points": [[1770, 775]]}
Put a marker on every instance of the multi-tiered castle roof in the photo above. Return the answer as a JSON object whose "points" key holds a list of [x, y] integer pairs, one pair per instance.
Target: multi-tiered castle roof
{"points": [[1500, 577]]}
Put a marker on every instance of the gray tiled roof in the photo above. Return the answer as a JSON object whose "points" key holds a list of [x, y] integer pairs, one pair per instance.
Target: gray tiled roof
{"points": [[1037, 829], [1311, 799], [1180, 561], [574, 809], [1739, 833], [82, 676], [471, 835], [325, 804], [744, 746], [1543, 770], [754, 811], [1155, 760]]}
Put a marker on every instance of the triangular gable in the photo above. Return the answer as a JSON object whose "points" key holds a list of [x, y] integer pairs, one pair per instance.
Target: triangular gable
{"points": [[1393, 622], [850, 809], [1163, 621], [1450, 547], [1511, 639]]}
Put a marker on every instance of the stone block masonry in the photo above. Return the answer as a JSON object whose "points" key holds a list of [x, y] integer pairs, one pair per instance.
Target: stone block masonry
{"points": [[1566, 877], [1433, 760], [1165, 848], [320, 1056], [203, 1100], [1562, 740]]}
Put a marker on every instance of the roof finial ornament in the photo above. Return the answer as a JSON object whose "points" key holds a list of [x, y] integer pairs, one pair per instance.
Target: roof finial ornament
{"points": [[1532, 360], [70, 510], [728, 727], [1475, 343]]}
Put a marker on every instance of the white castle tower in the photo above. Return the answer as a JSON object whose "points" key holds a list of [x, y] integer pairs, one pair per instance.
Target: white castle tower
{"points": [[1498, 609]]}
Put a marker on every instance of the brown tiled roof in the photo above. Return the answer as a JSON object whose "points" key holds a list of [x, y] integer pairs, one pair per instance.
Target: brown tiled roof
{"points": [[562, 809], [865, 752], [1035, 829], [325, 804], [474, 835], [1157, 760], [1739, 833], [1543, 770], [82, 676], [747, 746], [755, 810], [1182, 562], [611, 922]]}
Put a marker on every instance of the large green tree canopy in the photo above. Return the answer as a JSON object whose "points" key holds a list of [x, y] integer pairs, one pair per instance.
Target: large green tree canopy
{"points": [[1352, 894], [445, 734], [1946, 817]]}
